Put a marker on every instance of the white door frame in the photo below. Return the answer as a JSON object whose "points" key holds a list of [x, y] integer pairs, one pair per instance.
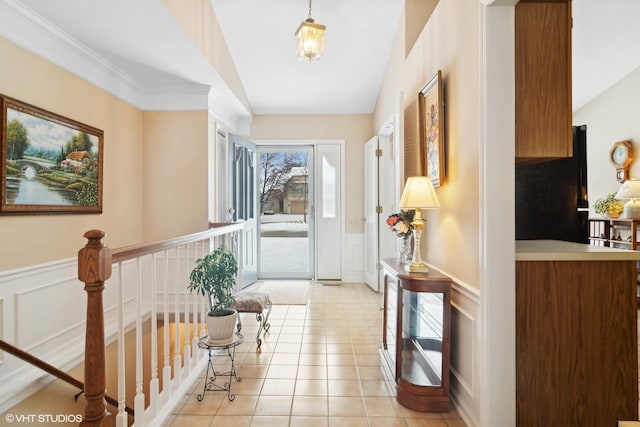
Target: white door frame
{"points": [[314, 143]]}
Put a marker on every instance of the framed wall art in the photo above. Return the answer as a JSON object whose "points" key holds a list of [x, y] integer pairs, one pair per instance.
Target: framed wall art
{"points": [[50, 164], [432, 129]]}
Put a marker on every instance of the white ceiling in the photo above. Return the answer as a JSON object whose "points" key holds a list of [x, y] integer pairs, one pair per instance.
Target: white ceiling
{"points": [[358, 41], [141, 39], [606, 48]]}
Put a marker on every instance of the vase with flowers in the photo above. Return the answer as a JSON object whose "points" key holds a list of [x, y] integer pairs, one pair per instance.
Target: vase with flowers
{"points": [[401, 224]]}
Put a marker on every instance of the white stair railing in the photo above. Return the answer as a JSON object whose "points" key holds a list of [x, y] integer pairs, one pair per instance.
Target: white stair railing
{"points": [[156, 313]]}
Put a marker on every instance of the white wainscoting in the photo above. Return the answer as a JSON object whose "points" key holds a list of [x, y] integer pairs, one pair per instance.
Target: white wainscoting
{"points": [[43, 313], [465, 363], [353, 260]]}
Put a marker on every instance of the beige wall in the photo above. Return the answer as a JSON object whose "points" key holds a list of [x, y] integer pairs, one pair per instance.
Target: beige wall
{"points": [[449, 42], [155, 167], [611, 117], [35, 239], [355, 130], [175, 180]]}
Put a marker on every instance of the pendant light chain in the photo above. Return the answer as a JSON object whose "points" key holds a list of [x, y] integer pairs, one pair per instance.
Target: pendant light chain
{"points": [[310, 10]]}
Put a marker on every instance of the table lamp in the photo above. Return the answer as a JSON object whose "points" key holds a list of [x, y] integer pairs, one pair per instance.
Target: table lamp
{"points": [[418, 194], [630, 190]]}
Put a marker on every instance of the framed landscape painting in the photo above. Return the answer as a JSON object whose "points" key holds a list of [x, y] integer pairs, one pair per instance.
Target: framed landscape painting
{"points": [[432, 129], [50, 164]]}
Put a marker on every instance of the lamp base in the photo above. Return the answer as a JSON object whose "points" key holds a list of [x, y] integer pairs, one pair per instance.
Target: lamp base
{"points": [[418, 267], [631, 209]]}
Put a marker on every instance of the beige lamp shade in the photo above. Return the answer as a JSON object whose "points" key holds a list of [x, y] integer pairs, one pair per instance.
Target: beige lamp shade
{"points": [[419, 194], [630, 190]]}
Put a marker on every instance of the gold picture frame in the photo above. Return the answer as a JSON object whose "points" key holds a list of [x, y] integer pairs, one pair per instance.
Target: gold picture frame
{"points": [[432, 129], [50, 164]]}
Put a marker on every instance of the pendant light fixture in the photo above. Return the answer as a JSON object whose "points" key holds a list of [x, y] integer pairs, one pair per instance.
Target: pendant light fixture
{"points": [[310, 38]]}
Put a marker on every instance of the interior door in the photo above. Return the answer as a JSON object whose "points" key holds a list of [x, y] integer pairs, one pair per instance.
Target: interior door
{"points": [[379, 168], [387, 241], [243, 202], [371, 215]]}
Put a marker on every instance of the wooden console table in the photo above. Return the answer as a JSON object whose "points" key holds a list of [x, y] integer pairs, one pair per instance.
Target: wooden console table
{"points": [[416, 335]]}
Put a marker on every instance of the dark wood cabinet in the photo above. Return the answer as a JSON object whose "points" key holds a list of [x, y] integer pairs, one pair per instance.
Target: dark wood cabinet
{"points": [[416, 335], [621, 233], [543, 108], [576, 342]]}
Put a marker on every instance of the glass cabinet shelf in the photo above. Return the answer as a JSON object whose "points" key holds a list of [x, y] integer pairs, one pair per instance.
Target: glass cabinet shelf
{"points": [[416, 345], [422, 332]]}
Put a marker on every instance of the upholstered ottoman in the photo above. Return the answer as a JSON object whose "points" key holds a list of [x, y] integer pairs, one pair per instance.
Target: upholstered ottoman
{"points": [[254, 302]]}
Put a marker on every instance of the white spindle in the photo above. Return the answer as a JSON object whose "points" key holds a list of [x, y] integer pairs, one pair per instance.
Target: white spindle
{"points": [[187, 345], [121, 417], [195, 321], [154, 383], [177, 362], [138, 401], [166, 371]]}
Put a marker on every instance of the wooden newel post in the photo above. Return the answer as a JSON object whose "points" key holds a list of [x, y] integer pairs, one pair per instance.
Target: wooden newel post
{"points": [[94, 268]]}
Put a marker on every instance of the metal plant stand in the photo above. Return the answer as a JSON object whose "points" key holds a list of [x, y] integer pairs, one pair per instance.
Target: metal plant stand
{"points": [[210, 381]]}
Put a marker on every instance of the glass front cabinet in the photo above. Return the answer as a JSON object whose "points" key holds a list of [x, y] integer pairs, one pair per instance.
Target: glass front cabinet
{"points": [[416, 330]]}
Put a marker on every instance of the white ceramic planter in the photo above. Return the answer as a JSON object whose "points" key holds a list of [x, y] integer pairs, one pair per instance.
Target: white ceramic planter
{"points": [[221, 328]]}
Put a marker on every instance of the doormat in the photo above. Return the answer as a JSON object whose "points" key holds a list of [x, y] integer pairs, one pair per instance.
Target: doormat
{"points": [[331, 283], [284, 292]]}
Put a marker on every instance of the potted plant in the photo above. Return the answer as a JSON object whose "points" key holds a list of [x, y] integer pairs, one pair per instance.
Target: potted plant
{"points": [[214, 276], [608, 206]]}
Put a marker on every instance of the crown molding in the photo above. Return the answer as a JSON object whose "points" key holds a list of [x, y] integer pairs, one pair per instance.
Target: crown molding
{"points": [[29, 30], [24, 27]]}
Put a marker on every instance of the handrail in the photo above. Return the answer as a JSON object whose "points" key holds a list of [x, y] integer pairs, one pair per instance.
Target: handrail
{"points": [[52, 370], [132, 251], [95, 263]]}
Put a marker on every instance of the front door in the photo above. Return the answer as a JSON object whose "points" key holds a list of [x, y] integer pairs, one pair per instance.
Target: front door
{"points": [[286, 221], [243, 177]]}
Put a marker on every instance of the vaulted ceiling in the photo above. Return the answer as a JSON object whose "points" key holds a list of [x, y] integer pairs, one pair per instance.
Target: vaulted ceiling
{"points": [[141, 39]]}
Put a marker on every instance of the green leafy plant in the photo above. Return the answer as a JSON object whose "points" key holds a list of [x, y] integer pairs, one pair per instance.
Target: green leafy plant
{"points": [[214, 276], [608, 206]]}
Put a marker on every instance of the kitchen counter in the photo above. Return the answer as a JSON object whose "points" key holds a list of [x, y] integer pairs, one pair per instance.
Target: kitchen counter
{"points": [[556, 250], [576, 340]]}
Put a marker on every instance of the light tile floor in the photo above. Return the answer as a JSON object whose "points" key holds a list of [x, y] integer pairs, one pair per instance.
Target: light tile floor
{"points": [[319, 366]]}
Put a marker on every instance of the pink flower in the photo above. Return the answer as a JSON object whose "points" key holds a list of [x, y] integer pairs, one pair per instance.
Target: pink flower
{"points": [[400, 223]]}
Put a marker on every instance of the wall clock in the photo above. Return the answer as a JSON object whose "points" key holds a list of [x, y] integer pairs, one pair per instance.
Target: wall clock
{"points": [[620, 156]]}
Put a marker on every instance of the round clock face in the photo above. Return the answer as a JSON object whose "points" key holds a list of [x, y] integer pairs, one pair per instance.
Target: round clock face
{"points": [[619, 155]]}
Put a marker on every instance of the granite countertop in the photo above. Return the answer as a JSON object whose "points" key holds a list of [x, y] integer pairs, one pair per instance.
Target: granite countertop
{"points": [[556, 250]]}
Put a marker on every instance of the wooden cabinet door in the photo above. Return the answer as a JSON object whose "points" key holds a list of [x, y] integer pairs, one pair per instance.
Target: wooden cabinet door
{"points": [[543, 79]]}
